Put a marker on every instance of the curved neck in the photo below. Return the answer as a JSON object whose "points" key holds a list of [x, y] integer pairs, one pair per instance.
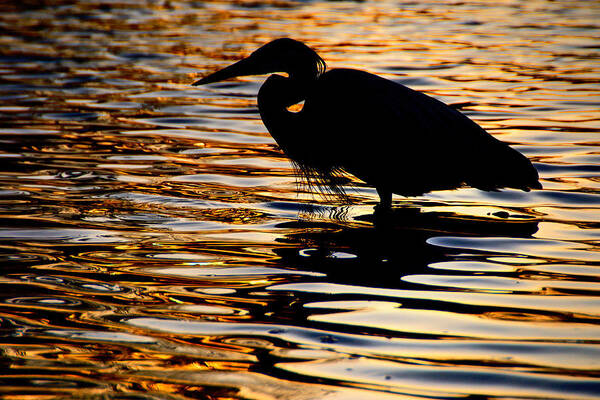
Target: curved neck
{"points": [[274, 97], [279, 90], [278, 93]]}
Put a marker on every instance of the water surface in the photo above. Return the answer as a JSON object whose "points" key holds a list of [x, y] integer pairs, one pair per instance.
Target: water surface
{"points": [[154, 243]]}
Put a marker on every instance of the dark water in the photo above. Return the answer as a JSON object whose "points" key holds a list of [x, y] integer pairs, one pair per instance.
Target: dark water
{"points": [[154, 245]]}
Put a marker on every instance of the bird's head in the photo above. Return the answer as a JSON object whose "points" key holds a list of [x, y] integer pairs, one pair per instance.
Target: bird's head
{"points": [[295, 58]]}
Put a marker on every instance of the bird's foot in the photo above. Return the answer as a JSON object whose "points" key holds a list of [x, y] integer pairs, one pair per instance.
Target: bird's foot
{"points": [[385, 201], [383, 208]]}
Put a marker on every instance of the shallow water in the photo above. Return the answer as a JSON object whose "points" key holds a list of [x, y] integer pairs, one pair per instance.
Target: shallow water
{"points": [[155, 245]]}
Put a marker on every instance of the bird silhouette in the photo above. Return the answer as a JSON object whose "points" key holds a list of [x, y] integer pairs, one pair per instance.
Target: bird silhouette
{"points": [[392, 137]]}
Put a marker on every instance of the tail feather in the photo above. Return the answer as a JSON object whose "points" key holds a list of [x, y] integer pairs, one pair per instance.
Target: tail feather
{"points": [[506, 168]]}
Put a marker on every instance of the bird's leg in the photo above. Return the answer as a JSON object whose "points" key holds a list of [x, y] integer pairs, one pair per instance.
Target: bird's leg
{"points": [[385, 199]]}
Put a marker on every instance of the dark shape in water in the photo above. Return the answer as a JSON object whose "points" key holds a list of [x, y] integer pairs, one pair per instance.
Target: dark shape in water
{"points": [[396, 245], [390, 136]]}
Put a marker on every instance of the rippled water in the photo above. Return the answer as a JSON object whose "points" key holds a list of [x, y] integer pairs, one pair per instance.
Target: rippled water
{"points": [[154, 244]]}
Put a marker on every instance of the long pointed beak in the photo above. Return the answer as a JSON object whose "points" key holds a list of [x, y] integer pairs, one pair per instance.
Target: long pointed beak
{"points": [[243, 67]]}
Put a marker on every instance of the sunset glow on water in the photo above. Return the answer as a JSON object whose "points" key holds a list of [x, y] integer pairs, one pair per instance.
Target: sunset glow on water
{"points": [[155, 244]]}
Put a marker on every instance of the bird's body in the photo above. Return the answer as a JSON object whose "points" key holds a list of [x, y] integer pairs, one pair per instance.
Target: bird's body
{"points": [[388, 135]]}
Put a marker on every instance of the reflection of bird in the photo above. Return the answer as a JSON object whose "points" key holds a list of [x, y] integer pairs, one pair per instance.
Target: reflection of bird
{"points": [[392, 137], [399, 237]]}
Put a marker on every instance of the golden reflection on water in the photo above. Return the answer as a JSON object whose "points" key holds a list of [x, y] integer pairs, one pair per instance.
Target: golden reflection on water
{"points": [[154, 242]]}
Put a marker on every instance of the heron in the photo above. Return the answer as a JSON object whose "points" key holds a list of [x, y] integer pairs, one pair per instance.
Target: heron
{"points": [[399, 140]]}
